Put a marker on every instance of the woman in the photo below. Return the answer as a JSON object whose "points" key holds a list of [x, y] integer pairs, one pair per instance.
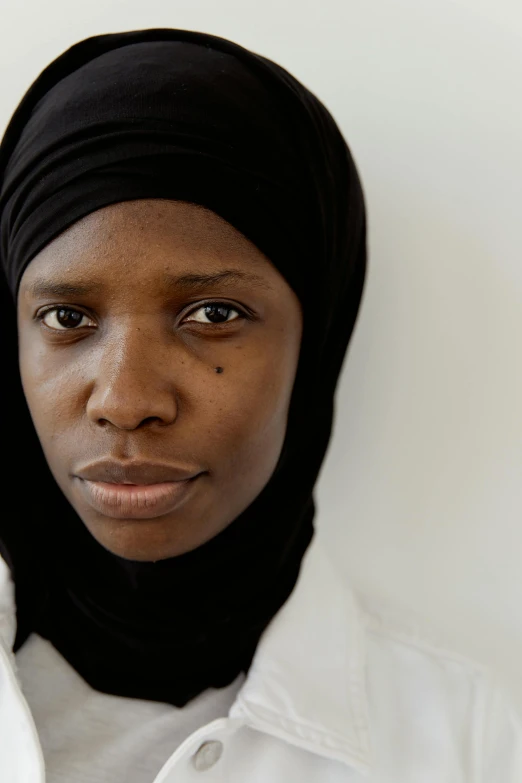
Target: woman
{"points": [[184, 242]]}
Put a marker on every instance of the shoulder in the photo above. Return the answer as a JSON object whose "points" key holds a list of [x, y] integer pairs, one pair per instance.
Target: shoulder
{"points": [[7, 607], [431, 691], [405, 637]]}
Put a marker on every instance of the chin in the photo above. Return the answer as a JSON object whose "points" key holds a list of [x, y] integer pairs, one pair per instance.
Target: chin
{"points": [[141, 540]]}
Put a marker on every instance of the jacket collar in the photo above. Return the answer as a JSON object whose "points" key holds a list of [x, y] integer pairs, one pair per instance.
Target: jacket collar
{"points": [[306, 683]]}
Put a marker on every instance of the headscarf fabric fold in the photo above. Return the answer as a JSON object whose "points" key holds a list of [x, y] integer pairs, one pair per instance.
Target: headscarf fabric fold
{"points": [[177, 114]]}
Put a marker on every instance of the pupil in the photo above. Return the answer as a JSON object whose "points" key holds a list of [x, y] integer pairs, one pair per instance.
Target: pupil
{"points": [[219, 308], [68, 317]]}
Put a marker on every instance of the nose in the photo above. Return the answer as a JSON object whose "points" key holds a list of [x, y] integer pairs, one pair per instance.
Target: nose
{"points": [[132, 387]]}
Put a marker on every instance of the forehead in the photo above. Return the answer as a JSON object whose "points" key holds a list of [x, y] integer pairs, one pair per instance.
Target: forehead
{"points": [[151, 223], [155, 247], [150, 239]]}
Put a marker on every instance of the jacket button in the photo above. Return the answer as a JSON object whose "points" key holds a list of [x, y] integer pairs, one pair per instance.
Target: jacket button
{"points": [[207, 755]]}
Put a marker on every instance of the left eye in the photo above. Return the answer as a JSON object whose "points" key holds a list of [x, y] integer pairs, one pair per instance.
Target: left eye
{"points": [[62, 318], [216, 311]]}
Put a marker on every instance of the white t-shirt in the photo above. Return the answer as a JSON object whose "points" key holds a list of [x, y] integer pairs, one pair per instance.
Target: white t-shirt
{"points": [[91, 737]]}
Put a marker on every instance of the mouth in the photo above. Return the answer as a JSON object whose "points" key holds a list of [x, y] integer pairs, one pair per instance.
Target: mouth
{"points": [[136, 501]]}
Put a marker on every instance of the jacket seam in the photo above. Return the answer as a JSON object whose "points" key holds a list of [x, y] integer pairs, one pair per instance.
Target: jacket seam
{"points": [[409, 639]]}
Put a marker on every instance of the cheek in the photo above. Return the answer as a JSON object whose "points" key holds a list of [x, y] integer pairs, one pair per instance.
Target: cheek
{"points": [[249, 413], [52, 388]]}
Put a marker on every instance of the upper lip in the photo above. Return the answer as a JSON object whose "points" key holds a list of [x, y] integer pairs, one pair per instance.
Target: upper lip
{"points": [[115, 472]]}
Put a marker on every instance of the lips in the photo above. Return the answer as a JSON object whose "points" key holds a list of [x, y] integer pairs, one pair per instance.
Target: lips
{"points": [[139, 490], [114, 472]]}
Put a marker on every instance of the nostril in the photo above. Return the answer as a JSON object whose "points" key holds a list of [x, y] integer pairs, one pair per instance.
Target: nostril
{"points": [[151, 420]]}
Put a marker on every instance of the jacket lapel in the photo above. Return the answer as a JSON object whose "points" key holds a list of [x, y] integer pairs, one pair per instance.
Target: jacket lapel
{"points": [[306, 683]]}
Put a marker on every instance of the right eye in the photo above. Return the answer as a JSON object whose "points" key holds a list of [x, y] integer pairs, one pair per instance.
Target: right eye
{"points": [[64, 318]]}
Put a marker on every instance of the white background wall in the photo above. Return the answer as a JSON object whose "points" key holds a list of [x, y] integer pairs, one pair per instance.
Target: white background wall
{"points": [[421, 494]]}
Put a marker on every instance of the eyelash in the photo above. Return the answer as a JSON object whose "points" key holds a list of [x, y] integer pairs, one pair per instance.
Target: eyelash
{"points": [[55, 308]]}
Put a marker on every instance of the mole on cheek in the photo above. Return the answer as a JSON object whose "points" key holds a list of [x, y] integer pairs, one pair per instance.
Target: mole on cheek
{"points": [[219, 369]]}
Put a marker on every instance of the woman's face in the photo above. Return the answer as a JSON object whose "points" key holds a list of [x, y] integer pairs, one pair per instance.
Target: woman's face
{"points": [[123, 320]]}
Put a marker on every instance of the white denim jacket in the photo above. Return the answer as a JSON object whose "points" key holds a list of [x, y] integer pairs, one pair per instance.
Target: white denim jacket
{"points": [[337, 693]]}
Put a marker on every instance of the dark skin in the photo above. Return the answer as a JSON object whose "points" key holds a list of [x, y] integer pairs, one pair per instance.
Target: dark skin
{"points": [[138, 369]]}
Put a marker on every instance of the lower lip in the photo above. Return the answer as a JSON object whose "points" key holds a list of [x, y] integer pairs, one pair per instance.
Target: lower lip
{"points": [[136, 501]]}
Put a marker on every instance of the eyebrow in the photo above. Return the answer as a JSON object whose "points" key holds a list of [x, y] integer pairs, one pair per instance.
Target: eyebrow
{"points": [[187, 282], [227, 276]]}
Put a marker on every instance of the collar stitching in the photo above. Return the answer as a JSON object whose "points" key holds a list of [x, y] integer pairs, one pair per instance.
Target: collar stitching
{"points": [[330, 740]]}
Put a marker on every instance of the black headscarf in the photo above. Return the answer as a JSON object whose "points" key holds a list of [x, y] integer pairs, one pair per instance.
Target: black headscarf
{"points": [[177, 114]]}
